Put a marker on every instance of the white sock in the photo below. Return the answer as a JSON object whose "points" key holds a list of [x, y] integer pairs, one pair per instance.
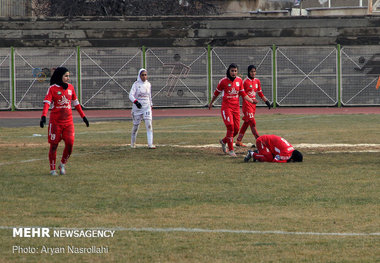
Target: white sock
{"points": [[149, 131], [135, 129]]}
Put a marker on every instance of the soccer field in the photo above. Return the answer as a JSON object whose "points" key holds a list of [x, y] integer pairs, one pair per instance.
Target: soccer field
{"points": [[188, 202]]}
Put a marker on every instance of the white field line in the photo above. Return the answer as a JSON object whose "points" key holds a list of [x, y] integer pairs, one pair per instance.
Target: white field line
{"points": [[203, 230]]}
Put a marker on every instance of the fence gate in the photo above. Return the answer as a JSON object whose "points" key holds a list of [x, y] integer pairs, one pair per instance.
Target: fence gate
{"points": [[360, 72], [307, 76], [178, 76], [5, 79], [261, 57], [108, 75], [33, 69]]}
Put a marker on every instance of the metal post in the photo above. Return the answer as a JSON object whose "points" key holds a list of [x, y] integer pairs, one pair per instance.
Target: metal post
{"points": [[13, 80], [274, 76], [339, 76], [79, 74], [143, 56], [209, 72]]}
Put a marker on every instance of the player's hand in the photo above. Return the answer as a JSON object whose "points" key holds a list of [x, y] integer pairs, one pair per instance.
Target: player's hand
{"points": [[138, 104], [254, 101], [268, 104], [42, 121], [86, 121], [210, 106]]}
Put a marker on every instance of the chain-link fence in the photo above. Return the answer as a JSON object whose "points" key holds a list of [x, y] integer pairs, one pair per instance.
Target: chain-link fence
{"points": [[178, 76], [184, 77], [306, 76], [107, 75], [33, 69], [360, 72], [261, 57], [5, 79]]}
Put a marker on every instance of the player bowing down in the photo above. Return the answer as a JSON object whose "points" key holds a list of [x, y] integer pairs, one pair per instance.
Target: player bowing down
{"points": [[61, 125], [273, 148], [141, 97], [231, 87]]}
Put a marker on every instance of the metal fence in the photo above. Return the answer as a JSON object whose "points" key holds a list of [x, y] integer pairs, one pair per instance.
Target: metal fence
{"points": [[186, 77], [107, 75], [178, 76]]}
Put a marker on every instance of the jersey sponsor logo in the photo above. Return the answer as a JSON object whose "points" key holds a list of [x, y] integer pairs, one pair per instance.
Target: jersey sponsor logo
{"points": [[250, 86], [237, 84], [70, 92], [59, 93], [252, 94], [229, 85], [63, 103], [233, 92]]}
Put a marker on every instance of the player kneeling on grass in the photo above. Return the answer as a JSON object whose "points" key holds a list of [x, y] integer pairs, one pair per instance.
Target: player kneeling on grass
{"points": [[141, 97], [61, 125], [273, 148]]}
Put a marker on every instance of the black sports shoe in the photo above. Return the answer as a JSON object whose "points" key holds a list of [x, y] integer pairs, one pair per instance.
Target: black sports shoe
{"points": [[248, 156]]}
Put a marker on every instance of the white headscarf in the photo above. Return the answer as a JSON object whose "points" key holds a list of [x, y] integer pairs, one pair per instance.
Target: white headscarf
{"points": [[138, 76]]}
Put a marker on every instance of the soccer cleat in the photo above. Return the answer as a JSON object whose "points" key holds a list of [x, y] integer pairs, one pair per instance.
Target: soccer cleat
{"points": [[248, 156], [133, 146], [232, 154], [239, 143], [62, 170], [152, 147], [53, 173], [223, 146]]}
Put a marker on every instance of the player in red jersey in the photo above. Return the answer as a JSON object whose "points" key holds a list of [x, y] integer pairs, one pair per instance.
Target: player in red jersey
{"points": [[61, 125], [273, 148], [230, 87], [252, 86]]}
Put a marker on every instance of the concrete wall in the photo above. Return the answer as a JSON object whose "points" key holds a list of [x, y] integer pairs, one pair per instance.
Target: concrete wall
{"points": [[188, 31]]}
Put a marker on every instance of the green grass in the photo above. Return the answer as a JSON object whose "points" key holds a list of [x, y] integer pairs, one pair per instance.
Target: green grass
{"points": [[111, 185]]}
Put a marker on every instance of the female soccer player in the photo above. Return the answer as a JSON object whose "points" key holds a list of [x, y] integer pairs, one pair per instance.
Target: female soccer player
{"points": [[61, 125], [251, 86], [273, 148], [141, 97], [232, 87]]}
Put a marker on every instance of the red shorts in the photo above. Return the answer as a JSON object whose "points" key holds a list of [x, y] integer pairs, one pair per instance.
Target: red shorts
{"points": [[231, 117], [249, 113], [58, 132]]}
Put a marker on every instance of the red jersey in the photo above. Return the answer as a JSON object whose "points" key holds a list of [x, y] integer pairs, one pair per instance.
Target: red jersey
{"points": [[251, 87], [230, 92], [60, 100], [278, 147]]}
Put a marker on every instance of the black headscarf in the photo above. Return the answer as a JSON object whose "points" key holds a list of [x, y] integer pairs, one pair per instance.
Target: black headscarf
{"points": [[233, 65], [250, 67], [56, 78]]}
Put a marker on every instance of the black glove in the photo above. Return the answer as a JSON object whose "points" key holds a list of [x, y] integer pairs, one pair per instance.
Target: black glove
{"points": [[138, 104], [86, 121], [42, 121], [268, 104]]}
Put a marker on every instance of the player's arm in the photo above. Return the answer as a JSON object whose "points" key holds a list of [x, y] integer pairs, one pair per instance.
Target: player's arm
{"points": [[78, 107], [47, 101], [217, 91], [261, 95], [132, 97]]}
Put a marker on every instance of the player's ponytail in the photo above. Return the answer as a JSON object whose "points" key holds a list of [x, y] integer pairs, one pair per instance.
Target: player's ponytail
{"points": [[56, 78]]}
